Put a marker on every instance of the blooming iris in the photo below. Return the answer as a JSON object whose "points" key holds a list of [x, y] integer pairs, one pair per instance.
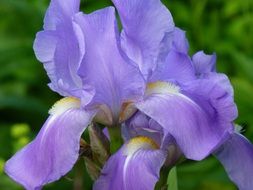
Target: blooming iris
{"points": [[171, 104]]}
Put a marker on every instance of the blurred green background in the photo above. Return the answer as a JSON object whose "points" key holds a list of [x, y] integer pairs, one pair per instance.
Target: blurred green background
{"points": [[224, 27]]}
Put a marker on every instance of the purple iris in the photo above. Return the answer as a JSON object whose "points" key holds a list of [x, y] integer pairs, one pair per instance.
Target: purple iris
{"points": [[170, 104]]}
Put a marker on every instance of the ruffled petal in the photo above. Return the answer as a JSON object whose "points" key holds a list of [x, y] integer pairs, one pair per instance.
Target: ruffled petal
{"points": [[216, 100], [147, 25], [198, 123], [103, 67], [60, 47], [53, 152], [236, 155], [220, 79], [205, 68], [126, 170]]}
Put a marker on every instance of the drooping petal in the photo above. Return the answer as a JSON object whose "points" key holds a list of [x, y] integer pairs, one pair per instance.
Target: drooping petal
{"points": [[193, 125], [204, 63], [135, 166], [177, 67], [236, 155], [60, 47], [55, 149], [103, 67], [147, 24], [216, 100]]}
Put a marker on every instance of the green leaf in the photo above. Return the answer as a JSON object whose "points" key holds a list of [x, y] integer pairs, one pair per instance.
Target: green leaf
{"points": [[172, 179]]}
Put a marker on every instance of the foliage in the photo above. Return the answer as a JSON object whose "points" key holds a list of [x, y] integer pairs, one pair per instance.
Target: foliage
{"points": [[225, 27]]}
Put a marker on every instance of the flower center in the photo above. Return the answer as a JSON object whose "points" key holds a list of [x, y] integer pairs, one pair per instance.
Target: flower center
{"points": [[138, 143]]}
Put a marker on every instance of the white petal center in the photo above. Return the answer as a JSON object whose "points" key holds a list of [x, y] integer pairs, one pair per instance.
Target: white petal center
{"points": [[65, 104], [162, 88]]}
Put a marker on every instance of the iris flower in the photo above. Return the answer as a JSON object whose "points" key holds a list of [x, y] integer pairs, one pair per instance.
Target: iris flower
{"points": [[110, 76]]}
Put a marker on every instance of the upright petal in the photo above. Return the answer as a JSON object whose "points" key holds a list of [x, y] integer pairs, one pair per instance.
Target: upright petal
{"points": [[135, 166], [60, 12], [103, 67], [193, 125], [147, 24], [60, 47], [236, 155], [205, 67], [180, 42], [204, 63], [55, 149], [176, 67]]}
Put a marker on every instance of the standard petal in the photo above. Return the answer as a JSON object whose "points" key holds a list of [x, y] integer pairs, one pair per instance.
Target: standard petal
{"points": [[236, 155], [180, 42], [103, 67], [204, 63], [176, 67], [198, 124], [52, 153], [60, 47], [45, 45], [205, 68], [60, 54], [138, 170], [59, 12], [147, 24]]}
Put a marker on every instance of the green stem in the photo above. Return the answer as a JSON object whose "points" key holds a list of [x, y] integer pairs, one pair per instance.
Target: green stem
{"points": [[78, 179], [162, 183], [167, 180], [115, 138]]}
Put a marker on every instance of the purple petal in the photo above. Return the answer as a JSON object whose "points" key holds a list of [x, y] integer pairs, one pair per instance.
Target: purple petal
{"points": [[61, 48], [205, 68], [103, 67], [198, 123], [204, 63], [177, 67], [222, 80], [147, 24], [214, 99], [141, 125], [236, 155], [45, 45], [138, 171], [60, 11], [53, 152], [180, 42]]}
